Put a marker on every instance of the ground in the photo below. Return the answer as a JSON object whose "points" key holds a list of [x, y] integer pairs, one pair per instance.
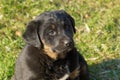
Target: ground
{"points": [[97, 37]]}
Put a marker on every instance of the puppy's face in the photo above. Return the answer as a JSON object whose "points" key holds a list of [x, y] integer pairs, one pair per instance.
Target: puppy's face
{"points": [[53, 32]]}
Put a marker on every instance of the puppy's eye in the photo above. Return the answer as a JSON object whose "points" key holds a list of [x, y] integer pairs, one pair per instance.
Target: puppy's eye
{"points": [[52, 33]]}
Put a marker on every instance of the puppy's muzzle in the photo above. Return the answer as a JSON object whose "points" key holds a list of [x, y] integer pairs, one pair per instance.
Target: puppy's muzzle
{"points": [[68, 43], [64, 46]]}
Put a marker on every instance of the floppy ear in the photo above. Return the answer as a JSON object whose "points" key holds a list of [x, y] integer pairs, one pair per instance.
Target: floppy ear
{"points": [[71, 20], [31, 35]]}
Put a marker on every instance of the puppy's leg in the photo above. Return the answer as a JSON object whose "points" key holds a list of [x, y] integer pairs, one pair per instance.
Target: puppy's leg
{"points": [[84, 73], [74, 73], [71, 76], [75, 60], [65, 77]]}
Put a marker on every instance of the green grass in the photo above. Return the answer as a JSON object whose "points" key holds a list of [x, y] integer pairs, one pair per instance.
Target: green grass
{"points": [[97, 37]]}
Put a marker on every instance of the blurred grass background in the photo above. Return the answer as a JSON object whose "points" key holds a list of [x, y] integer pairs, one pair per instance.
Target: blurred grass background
{"points": [[97, 37]]}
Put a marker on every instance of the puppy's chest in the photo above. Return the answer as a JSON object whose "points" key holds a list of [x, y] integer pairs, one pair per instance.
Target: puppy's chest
{"points": [[58, 71]]}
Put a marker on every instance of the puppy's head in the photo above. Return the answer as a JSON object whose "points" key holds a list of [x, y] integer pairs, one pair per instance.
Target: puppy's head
{"points": [[53, 32]]}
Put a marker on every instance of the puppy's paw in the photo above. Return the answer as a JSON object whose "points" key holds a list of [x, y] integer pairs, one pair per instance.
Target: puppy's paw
{"points": [[65, 77], [75, 73]]}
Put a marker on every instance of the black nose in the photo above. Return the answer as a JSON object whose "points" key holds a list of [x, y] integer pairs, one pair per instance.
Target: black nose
{"points": [[68, 43]]}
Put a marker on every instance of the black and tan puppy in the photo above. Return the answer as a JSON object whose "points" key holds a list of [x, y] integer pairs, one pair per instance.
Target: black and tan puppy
{"points": [[50, 53]]}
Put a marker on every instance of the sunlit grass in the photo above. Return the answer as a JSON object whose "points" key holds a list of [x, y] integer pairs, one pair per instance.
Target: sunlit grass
{"points": [[97, 37]]}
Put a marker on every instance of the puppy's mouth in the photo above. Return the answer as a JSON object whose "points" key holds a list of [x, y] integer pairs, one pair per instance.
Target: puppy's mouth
{"points": [[62, 50], [62, 53]]}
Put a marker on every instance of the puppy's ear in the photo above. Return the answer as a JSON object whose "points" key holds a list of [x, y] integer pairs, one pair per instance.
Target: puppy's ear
{"points": [[31, 35], [71, 20]]}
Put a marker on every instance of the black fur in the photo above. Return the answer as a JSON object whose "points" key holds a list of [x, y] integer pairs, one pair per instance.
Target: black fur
{"points": [[50, 53]]}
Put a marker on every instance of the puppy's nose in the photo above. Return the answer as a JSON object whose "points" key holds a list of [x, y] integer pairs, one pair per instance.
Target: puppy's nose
{"points": [[67, 43]]}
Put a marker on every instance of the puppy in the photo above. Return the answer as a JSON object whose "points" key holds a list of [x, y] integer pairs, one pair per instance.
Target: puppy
{"points": [[49, 53]]}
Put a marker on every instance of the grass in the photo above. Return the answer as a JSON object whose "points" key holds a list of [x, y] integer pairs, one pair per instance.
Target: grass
{"points": [[97, 37]]}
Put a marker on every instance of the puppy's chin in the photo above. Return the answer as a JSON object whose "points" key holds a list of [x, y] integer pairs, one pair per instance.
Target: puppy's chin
{"points": [[62, 53]]}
